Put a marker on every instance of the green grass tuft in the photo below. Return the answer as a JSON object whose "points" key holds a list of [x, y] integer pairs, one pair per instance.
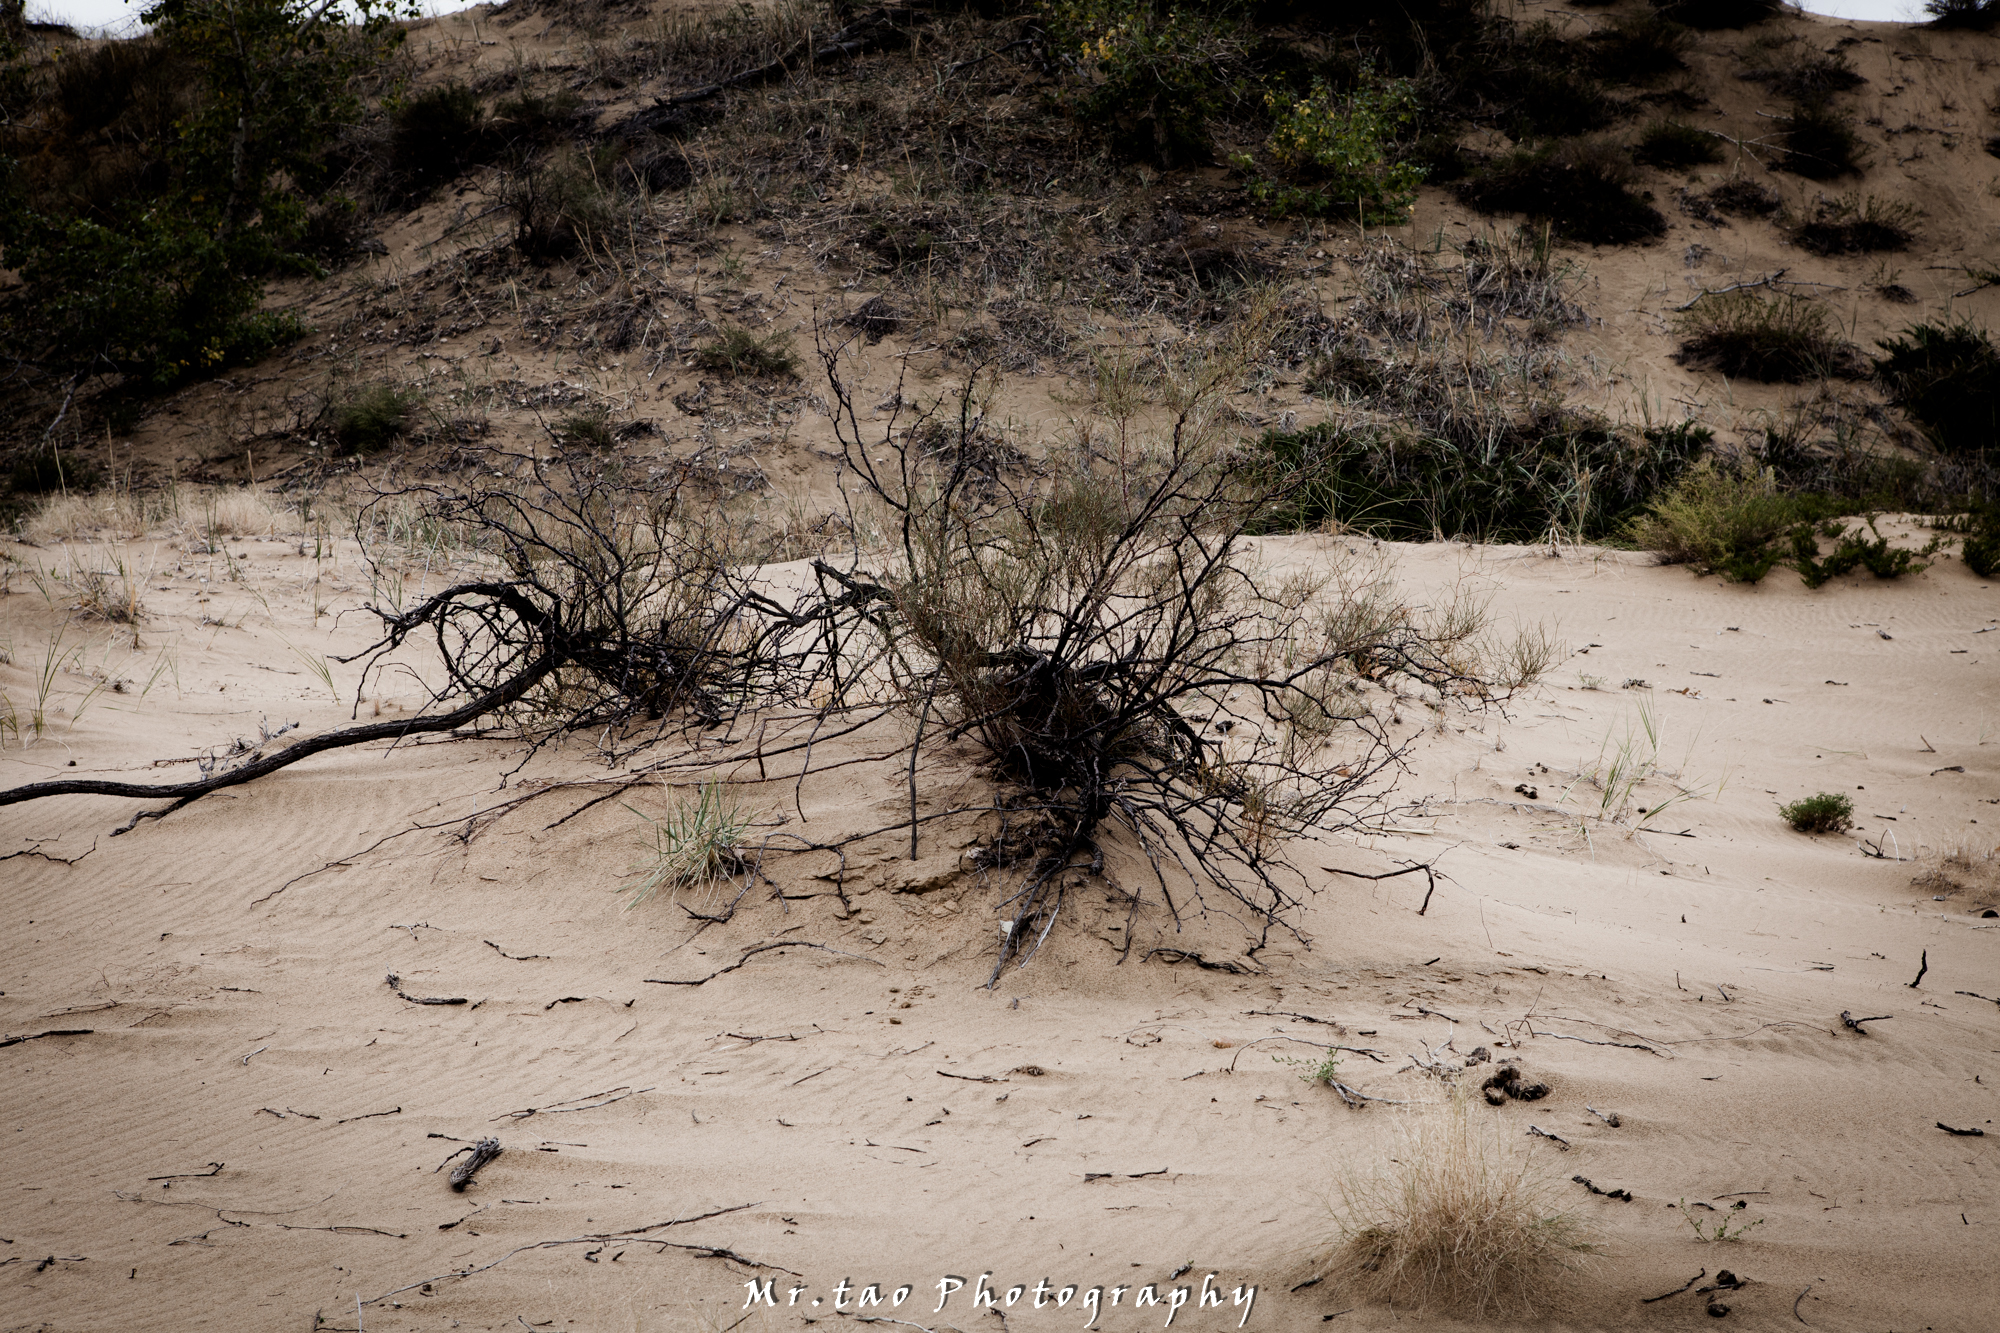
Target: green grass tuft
{"points": [[1828, 812]]}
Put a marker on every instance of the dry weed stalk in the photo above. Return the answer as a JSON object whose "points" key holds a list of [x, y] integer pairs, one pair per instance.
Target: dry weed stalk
{"points": [[1457, 1222]]}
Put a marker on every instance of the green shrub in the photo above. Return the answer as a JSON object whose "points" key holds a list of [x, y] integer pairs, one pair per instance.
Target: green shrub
{"points": [[1851, 551], [1947, 378], [1743, 198], [434, 136], [1807, 75], [45, 470], [1981, 551], [1820, 142], [1671, 144], [1978, 15], [369, 420], [1718, 520], [1856, 225], [1570, 474], [559, 207], [1334, 152], [584, 430], [741, 352], [1638, 48], [1828, 812], [1579, 187], [1156, 71], [1709, 15], [1778, 341]]}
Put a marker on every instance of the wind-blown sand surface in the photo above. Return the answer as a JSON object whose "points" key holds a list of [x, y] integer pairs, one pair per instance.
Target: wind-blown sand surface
{"points": [[249, 1136]]}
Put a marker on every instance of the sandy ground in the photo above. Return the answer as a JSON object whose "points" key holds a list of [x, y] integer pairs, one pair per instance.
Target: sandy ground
{"points": [[250, 1134]]}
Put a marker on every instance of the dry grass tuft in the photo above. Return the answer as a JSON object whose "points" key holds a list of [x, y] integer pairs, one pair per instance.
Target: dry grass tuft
{"points": [[1462, 1223]]}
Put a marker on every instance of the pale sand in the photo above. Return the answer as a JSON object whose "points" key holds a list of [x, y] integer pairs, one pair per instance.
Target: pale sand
{"points": [[234, 1027]]}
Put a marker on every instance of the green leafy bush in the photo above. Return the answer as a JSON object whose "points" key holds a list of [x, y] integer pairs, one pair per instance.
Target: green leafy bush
{"points": [[584, 430], [1669, 143], [1981, 551], [1828, 812], [1156, 72], [1580, 187], [1719, 520], [1947, 378], [1781, 340], [1334, 151], [213, 136]]}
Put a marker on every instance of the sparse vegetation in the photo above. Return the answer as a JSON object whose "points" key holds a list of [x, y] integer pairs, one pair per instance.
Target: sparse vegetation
{"points": [[1856, 224], [1458, 1223], [1946, 376], [1828, 812], [1720, 1224], [1670, 143], [1334, 152], [693, 845], [1820, 142], [1779, 340], [1977, 15], [1639, 48], [370, 419], [740, 352], [1581, 187], [1710, 15]]}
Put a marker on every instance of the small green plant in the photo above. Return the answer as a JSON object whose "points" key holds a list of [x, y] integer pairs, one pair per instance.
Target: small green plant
{"points": [[1828, 812], [1312, 1071], [1721, 1227], [1778, 341], [434, 136], [1669, 143], [1981, 551], [741, 352], [367, 421], [1334, 151], [584, 430], [692, 846]]}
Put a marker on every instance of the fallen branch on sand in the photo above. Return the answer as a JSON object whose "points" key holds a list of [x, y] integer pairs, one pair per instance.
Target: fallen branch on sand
{"points": [[1848, 1020], [1410, 869], [609, 1096], [633, 1235], [1648, 1300], [482, 1152], [752, 952], [52, 1032], [1355, 1099], [1974, 1133]]}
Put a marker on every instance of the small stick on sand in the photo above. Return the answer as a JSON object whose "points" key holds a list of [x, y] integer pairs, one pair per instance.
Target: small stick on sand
{"points": [[752, 952], [1974, 1133], [483, 1152], [1556, 1139], [1795, 1306], [1848, 1020], [1354, 1099], [1611, 1120], [1922, 968], [1648, 1300], [52, 1032]]}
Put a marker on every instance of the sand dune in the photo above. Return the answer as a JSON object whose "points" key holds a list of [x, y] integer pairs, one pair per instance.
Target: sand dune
{"points": [[868, 1112]]}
